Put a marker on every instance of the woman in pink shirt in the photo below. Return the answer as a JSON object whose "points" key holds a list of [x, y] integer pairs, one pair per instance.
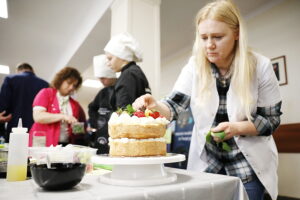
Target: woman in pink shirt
{"points": [[54, 110]]}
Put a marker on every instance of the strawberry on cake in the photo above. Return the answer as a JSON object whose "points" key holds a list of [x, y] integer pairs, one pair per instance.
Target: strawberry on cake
{"points": [[137, 133]]}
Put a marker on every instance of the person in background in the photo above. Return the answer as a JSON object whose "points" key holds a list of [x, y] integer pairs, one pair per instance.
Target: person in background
{"points": [[3, 120], [55, 111], [233, 90], [16, 97], [101, 107], [122, 52]]}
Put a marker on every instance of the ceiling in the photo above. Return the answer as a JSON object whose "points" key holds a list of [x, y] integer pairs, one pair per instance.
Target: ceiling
{"points": [[50, 34]]}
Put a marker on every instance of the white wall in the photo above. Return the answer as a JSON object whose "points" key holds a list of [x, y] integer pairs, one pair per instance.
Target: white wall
{"points": [[273, 32], [132, 15], [170, 69]]}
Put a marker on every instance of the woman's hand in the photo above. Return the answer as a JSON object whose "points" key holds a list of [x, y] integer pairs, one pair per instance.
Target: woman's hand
{"points": [[145, 101], [235, 128], [148, 101], [4, 118], [69, 119], [43, 117], [229, 129]]}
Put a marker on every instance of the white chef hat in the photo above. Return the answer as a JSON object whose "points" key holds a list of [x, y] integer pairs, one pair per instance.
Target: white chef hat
{"points": [[101, 70], [124, 46]]}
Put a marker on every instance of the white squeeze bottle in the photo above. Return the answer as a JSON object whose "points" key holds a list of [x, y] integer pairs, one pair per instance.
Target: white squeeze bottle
{"points": [[17, 154]]}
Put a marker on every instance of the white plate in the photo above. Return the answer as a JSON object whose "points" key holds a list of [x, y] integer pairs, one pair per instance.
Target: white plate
{"points": [[109, 160], [138, 171]]}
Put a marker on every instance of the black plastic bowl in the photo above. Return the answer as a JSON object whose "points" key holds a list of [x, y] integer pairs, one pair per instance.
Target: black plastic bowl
{"points": [[60, 176]]}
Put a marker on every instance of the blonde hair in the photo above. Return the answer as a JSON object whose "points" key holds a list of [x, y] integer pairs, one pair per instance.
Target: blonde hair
{"points": [[243, 64]]}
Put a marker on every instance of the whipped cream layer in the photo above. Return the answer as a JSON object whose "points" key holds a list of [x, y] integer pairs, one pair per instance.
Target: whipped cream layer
{"points": [[126, 140], [124, 118]]}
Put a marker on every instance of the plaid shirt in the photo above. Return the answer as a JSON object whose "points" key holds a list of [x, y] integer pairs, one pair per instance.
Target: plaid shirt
{"points": [[266, 120]]}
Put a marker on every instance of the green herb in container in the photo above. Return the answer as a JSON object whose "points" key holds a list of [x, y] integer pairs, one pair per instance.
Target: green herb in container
{"points": [[78, 128]]}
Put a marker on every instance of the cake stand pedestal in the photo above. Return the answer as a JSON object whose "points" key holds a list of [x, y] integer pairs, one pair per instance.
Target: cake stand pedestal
{"points": [[138, 171]]}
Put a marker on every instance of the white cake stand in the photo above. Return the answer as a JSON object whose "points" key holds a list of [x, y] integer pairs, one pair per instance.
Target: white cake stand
{"points": [[138, 171]]}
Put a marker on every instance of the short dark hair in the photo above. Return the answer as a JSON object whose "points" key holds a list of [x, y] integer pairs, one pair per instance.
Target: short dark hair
{"points": [[24, 67], [64, 74]]}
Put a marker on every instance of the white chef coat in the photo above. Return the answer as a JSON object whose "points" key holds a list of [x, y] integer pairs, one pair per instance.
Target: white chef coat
{"points": [[260, 151]]}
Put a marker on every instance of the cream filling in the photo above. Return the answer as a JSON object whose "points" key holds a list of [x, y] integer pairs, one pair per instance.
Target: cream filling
{"points": [[126, 140], [124, 118]]}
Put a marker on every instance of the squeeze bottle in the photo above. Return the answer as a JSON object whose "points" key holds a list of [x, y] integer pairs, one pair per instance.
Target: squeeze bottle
{"points": [[17, 154]]}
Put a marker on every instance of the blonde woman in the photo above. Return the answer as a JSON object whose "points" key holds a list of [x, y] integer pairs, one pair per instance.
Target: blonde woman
{"points": [[232, 89]]}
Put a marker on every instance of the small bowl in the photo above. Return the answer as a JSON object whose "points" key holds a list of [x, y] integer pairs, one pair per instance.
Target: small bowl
{"points": [[60, 176]]}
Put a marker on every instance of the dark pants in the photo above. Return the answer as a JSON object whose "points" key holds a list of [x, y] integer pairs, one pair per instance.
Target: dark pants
{"points": [[255, 189]]}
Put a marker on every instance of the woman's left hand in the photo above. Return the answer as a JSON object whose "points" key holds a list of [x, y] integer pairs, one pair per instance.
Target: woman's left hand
{"points": [[229, 128], [69, 119]]}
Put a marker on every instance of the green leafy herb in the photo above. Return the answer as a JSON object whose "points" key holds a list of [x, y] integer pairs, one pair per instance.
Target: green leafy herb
{"points": [[119, 111], [220, 135], [78, 128], [130, 110], [208, 137], [226, 147]]}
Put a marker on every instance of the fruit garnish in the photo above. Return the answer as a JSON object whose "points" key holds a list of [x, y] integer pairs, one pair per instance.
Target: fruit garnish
{"points": [[155, 115], [148, 112], [139, 113]]}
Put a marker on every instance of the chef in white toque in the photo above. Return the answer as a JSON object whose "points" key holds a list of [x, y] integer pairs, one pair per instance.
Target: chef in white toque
{"points": [[122, 52], [103, 105], [101, 69]]}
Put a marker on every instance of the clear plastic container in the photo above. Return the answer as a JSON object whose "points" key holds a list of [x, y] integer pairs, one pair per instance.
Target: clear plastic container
{"points": [[78, 128], [17, 154], [39, 139]]}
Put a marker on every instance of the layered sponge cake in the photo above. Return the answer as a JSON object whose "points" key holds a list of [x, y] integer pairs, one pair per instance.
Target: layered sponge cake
{"points": [[137, 134]]}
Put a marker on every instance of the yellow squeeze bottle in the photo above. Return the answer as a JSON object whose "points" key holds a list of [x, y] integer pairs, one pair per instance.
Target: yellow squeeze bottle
{"points": [[17, 154]]}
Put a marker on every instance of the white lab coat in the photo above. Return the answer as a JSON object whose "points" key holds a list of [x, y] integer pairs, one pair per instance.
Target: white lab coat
{"points": [[260, 151]]}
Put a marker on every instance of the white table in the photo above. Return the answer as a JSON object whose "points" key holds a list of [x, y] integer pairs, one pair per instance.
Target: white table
{"points": [[189, 185]]}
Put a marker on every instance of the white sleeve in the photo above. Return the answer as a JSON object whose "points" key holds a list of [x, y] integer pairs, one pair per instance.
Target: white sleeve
{"points": [[268, 88], [184, 82], [39, 108]]}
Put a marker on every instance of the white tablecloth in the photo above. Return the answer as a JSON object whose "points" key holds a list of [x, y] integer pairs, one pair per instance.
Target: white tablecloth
{"points": [[189, 185]]}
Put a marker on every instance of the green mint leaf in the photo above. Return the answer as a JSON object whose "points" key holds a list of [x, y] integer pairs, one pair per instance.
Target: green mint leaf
{"points": [[226, 147], [208, 137], [130, 109]]}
